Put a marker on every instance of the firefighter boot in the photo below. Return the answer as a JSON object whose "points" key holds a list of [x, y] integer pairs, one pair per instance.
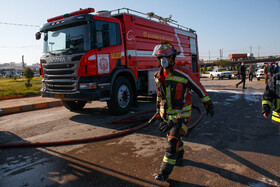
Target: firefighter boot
{"points": [[165, 171], [161, 177]]}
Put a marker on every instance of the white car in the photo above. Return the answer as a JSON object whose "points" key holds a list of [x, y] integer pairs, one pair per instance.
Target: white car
{"points": [[220, 73], [260, 74]]}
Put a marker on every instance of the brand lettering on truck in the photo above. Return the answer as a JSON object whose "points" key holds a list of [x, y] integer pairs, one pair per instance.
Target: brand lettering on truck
{"points": [[57, 59], [158, 37], [130, 35]]}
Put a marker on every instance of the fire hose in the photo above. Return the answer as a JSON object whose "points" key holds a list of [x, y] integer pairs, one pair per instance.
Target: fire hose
{"points": [[100, 138]]}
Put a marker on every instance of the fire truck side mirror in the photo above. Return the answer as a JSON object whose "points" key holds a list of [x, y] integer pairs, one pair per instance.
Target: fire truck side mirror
{"points": [[38, 35]]}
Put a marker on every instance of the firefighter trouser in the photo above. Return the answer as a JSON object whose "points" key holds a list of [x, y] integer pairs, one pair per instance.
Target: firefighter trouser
{"points": [[174, 150]]}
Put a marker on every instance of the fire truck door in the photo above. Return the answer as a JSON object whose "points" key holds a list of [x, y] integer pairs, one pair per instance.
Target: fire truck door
{"points": [[109, 49]]}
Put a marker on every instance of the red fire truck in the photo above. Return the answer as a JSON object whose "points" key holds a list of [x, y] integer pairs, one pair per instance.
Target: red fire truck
{"points": [[107, 56]]}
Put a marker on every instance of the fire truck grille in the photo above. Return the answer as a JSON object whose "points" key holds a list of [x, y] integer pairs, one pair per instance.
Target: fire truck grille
{"points": [[61, 78]]}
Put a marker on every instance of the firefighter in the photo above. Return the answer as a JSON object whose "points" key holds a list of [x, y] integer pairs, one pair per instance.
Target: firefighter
{"points": [[272, 94], [174, 104]]}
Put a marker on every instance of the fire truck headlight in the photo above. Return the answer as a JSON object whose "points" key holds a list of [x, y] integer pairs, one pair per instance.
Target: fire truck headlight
{"points": [[92, 85]]}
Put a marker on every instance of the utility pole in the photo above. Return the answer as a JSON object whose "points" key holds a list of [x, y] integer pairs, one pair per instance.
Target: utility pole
{"points": [[209, 55], [23, 65], [221, 54], [259, 51]]}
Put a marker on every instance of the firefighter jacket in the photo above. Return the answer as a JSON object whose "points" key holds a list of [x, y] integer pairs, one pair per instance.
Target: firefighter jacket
{"points": [[272, 94], [174, 98]]}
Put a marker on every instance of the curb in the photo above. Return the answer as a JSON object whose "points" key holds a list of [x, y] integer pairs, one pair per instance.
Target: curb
{"points": [[26, 108], [11, 97]]}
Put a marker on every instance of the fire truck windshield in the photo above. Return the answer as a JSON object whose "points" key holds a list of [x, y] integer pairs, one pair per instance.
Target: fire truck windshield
{"points": [[67, 40]]}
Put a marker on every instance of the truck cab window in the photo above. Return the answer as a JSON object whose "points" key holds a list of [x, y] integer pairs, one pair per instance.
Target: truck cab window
{"points": [[67, 40], [107, 34], [194, 55]]}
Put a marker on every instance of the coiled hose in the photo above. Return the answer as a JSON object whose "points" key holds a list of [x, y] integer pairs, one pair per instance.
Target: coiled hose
{"points": [[98, 138]]}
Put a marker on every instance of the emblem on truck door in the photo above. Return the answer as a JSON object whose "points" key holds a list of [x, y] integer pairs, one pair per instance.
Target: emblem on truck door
{"points": [[103, 63]]}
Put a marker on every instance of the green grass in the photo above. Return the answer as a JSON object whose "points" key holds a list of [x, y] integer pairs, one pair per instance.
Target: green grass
{"points": [[11, 86]]}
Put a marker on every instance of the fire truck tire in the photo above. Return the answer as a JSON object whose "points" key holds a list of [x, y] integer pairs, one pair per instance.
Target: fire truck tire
{"points": [[122, 97], [74, 105]]}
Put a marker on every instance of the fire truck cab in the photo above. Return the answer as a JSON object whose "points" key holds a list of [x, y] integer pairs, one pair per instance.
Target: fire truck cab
{"points": [[108, 56]]}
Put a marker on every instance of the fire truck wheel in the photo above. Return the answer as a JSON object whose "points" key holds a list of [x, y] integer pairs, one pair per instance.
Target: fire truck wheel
{"points": [[122, 96], [74, 105]]}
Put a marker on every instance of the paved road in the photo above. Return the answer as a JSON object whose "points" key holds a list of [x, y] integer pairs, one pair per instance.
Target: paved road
{"points": [[237, 147]]}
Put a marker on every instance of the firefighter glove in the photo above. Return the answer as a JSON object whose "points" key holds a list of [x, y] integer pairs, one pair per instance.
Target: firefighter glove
{"points": [[209, 109], [166, 125], [266, 114], [266, 110]]}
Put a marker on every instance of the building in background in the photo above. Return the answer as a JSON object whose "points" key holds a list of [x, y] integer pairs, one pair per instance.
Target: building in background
{"points": [[16, 69]]}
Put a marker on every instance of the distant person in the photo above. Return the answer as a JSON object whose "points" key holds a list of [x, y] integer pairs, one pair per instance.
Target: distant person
{"points": [[271, 96], [276, 68], [265, 71], [242, 73], [251, 72], [270, 70]]}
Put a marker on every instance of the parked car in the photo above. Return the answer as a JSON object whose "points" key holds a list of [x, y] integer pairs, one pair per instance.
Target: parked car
{"points": [[260, 74], [220, 73], [255, 73]]}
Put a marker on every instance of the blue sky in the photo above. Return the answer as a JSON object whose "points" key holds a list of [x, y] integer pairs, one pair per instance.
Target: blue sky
{"points": [[234, 26]]}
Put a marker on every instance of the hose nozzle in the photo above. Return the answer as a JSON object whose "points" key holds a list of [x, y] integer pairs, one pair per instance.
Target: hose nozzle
{"points": [[154, 118]]}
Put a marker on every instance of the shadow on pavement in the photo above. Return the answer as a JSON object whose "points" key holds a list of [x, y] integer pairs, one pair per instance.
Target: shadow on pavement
{"points": [[33, 167]]}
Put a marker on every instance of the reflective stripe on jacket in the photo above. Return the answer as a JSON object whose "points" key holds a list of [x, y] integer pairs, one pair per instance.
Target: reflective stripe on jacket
{"points": [[272, 95]]}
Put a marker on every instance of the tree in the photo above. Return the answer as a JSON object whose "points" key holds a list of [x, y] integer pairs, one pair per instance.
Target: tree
{"points": [[29, 75], [222, 63], [203, 69], [237, 66]]}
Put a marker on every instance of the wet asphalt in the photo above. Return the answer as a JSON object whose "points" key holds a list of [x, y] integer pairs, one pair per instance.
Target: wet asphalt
{"points": [[236, 147]]}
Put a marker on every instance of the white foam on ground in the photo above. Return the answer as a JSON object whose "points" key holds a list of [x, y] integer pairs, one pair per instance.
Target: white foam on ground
{"points": [[249, 96], [245, 92]]}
